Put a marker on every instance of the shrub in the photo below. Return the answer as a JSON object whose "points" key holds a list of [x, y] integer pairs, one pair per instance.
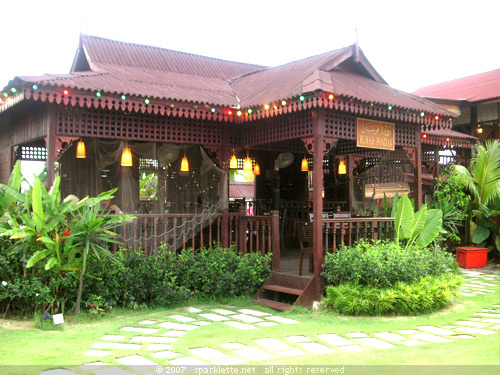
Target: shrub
{"points": [[428, 294]]}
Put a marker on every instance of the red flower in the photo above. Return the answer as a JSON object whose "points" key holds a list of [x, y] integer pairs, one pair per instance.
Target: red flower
{"points": [[66, 233], [38, 237], [91, 305]]}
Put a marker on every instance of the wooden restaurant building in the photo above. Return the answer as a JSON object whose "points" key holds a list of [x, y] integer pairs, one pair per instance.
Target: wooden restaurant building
{"points": [[205, 150]]}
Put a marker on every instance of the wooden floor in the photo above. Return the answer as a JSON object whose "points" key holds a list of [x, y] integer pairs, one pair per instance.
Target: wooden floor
{"points": [[289, 262]]}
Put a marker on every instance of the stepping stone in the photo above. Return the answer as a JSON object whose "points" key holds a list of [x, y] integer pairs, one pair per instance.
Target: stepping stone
{"points": [[407, 331], [291, 353], [411, 342], [233, 345], [174, 333], [376, 343], [272, 345], [246, 318], [159, 347], [188, 361], [356, 335], [280, 319], [223, 311], [153, 339], [496, 326], [207, 353], [112, 371], [298, 338], [334, 340], [253, 354], [112, 337], [59, 372], [139, 330], [214, 317], [449, 327], [114, 345], [239, 325], [315, 348], [498, 306], [462, 337], [387, 336], [165, 354], [267, 324], [182, 318], [488, 315], [178, 326], [436, 330], [193, 310], [350, 348], [146, 322], [91, 366], [253, 312], [136, 362], [202, 323], [475, 319], [97, 353], [488, 310], [475, 330], [467, 294], [471, 324], [429, 337], [228, 361]]}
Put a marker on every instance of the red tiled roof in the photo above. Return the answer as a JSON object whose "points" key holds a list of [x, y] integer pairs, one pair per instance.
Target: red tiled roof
{"points": [[241, 190], [450, 133], [473, 88]]}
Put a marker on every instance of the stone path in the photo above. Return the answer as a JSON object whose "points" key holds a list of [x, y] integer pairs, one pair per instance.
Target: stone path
{"points": [[157, 341]]}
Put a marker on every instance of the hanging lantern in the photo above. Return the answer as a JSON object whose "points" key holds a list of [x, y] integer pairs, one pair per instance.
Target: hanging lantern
{"points": [[80, 150], [127, 157], [184, 164], [247, 166], [256, 169], [233, 164], [342, 168], [305, 165]]}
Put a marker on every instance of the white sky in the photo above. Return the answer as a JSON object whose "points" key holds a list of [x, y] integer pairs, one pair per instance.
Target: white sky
{"points": [[410, 43]]}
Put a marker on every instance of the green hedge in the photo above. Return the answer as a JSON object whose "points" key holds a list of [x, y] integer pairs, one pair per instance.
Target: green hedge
{"points": [[426, 295]]}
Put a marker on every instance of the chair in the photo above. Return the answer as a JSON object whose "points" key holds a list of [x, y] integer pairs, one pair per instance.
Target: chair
{"points": [[305, 235]]}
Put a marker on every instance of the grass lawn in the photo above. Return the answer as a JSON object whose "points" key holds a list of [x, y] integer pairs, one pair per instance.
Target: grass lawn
{"points": [[24, 344]]}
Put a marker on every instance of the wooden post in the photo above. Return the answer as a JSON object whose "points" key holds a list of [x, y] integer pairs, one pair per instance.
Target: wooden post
{"points": [[224, 164], [418, 173], [318, 129], [242, 231], [350, 176], [275, 232], [50, 143], [436, 157]]}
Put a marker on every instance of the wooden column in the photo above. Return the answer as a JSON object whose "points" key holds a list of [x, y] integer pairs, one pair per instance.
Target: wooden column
{"points": [[436, 156], [350, 169], [50, 143], [275, 230], [224, 164], [418, 173], [318, 129]]}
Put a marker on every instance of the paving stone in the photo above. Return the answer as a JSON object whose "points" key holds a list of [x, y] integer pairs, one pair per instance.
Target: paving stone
{"points": [[475, 330], [112, 371], [462, 337], [449, 327], [246, 318], [498, 306], [267, 324], [375, 343], [334, 340], [182, 318], [59, 372], [411, 342], [214, 317], [495, 326], [272, 345], [471, 324], [188, 361], [356, 335], [489, 315], [146, 322], [91, 366], [228, 361], [136, 362], [202, 323], [158, 347], [178, 326], [208, 353], [387, 336], [467, 294], [139, 330], [174, 333], [315, 347], [253, 354], [253, 312], [297, 338], [407, 331], [488, 310], [233, 345], [114, 345], [239, 325], [436, 330], [112, 337], [280, 319], [153, 339], [165, 354], [291, 353], [350, 348], [475, 319], [223, 311], [429, 337], [193, 310], [97, 353]]}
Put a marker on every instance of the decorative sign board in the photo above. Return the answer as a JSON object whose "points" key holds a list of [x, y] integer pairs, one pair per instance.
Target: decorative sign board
{"points": [[375, 134], [58, 319]]}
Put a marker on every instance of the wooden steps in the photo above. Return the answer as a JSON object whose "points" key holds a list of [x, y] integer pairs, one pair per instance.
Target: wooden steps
{"points": [[282, 291]]}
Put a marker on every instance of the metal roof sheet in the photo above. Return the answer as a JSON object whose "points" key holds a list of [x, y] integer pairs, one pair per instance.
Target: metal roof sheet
{"points": [[450, 133]]}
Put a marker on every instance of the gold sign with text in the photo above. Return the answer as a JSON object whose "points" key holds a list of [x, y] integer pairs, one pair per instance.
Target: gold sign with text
{"points": [[375, 134]]}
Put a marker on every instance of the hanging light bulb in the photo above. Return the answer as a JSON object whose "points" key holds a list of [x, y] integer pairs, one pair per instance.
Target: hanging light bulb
{"points": [[80, 150], [184, 164], [305, 165], [342, 168], [127, 157], [247, 166], [256, 169], [233, 164]]}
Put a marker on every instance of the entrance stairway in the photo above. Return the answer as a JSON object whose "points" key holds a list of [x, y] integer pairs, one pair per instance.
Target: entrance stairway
{"points": [[282, 291]]}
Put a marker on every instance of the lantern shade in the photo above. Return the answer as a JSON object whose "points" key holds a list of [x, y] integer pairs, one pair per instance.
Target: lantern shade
{"points": [[127, 157], [305, 165], [184, 164], [247, 166], [233, 164], [342, 167], [80, 150], [256, 169]]}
